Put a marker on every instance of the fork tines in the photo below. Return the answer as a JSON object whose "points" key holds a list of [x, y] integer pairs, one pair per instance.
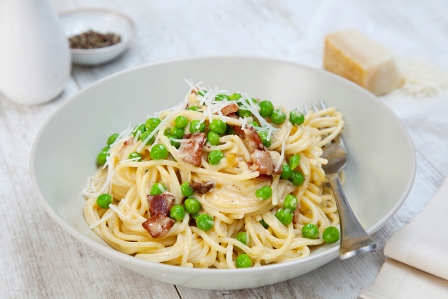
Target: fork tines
{"points": [[322, 104], [338, 139]]}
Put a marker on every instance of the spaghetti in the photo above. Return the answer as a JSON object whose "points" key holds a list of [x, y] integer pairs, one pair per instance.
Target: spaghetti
{"points": [[219, 181]]}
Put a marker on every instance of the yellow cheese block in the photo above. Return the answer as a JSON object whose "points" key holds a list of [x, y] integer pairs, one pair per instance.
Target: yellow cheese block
{"points": [[354, 56]]}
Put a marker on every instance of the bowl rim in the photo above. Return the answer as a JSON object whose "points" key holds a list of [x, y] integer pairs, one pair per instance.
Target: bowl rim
{"points": [[109, 252], [118, 46]]}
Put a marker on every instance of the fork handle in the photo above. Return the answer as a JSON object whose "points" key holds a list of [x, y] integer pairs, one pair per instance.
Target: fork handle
{"points": [[354, 239]]}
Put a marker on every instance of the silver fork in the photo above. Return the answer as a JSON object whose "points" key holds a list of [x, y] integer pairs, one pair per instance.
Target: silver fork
{"points": [[354, 239]]}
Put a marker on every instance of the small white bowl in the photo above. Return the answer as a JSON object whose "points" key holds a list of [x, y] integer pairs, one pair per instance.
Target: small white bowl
{"points": [[100, 20]]}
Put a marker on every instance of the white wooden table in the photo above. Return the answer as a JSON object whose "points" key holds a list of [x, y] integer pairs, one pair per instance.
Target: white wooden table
{"points": [[39, 260]]}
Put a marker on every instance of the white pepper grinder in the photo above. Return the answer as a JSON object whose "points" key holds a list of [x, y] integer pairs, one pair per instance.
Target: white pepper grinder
{"points": [[34, 52]]}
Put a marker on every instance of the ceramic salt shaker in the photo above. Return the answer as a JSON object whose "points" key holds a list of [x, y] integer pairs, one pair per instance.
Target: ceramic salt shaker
{"points": [[34, 51]]}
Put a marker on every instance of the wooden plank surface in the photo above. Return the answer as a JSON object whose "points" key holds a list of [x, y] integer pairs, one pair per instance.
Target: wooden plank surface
{"points": [[38, 260]]}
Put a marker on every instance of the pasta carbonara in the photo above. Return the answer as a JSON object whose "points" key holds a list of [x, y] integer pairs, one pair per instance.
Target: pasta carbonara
{"points": [[220, 181]]}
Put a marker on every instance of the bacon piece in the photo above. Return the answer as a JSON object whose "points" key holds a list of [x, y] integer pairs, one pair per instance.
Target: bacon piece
{"points": [[262, 162], [232, 108], [202, 188], [158, 225], [127, 142], [161, 203], [250, 137], [239, 132], [233, 115], [191, 151]]}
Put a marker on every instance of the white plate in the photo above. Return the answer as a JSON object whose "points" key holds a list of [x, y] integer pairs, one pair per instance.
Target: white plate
{"points": [[379, 175], [100, 20]]}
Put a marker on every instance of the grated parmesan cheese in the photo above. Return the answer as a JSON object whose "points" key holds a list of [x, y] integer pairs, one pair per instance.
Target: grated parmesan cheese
{"points": [[179, 140], [106, 186], [175, 110], [122, 136], [420, 79], [247, 104], [282, 153], [104, 218], [212, 108], [117, 211]]}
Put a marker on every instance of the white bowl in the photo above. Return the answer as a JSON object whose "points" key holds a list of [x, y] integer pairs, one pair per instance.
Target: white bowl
{"points": [[100, 20], [378, 177]]}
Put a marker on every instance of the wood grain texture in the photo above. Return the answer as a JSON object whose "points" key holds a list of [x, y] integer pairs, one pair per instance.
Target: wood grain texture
{"points": [[39, 260]]}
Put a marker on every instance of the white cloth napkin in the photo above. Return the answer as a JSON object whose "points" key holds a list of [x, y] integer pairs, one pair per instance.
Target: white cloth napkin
{"points": [[417, 264]]}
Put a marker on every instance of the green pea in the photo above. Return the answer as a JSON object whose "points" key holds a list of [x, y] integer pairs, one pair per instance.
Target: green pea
{"points": [[235, 96], [145, 135], [264, 139], [192, 205], [297, 179], [152, 123], [104, 200], [193, 108], [215, 156], [243, 237], [294, 161], [263, 193], [296, 117], [140, 128], [181, 122], [218, 126], [112, 138], [284, 216], [222, 97], [290, 202], [254, 124], [186, 189], [197, 126], [310, 231], [266, 108], [264, 224], [159, 152], [167, 132], [244, 113], [177, 132], [135, 156], [230, 130], [287, 173], [204, 222], [177, 212], [157, 188], [243, 261], [331, 234], [278, 116], [254, 101], [175, 143], [102, 157], [213, 138]]}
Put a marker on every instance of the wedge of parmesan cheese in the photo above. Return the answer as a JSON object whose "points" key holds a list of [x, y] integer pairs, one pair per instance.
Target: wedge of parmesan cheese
{"points": [[356, 57]]}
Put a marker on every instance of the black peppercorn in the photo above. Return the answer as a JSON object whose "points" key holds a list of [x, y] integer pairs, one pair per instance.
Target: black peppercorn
{"points": [[93, 40]]}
